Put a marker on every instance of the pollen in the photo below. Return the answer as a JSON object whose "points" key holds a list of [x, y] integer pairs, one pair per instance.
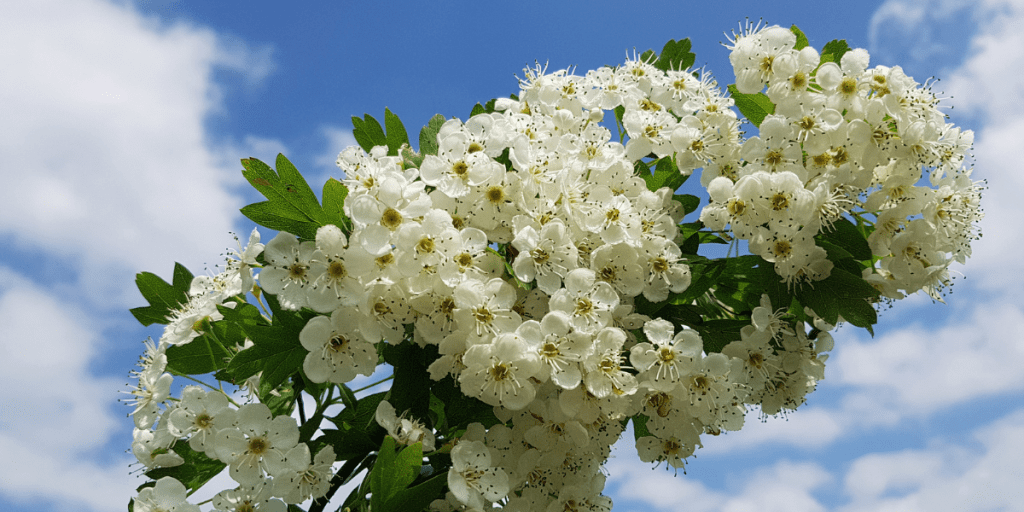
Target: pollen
{"points": [[500, 372], [460, 170], [297, 271], [495, 194], [425, 245], [337, 343], [782, 249], [583, 306], [391, 219], [337, 270], [798, 81], [540, 256]]}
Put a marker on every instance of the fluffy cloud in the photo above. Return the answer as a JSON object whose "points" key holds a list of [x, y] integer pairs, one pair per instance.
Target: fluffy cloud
{"points": [[785, 486], [57, 415], [980, 475], [103, 134], [919, 370]]}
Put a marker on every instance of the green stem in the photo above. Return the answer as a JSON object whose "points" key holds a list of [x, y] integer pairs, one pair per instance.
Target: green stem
{"points": [[193, 379], [379, 382]]}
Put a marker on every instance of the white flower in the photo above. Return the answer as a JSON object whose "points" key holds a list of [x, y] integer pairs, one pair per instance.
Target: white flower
{"points": [[303, 480], [333, 284], [667, 358], [153, 389], [472, 479], [198, 415], [153, 448], [168, 495], [604, 374], [499, 372], [255, 498], [337, 350], [287, 271], [588, 302], [405, 431], [258, 444]]}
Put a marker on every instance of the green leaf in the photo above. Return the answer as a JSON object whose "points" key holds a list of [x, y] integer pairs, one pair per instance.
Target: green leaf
{"points": [[363, 414], [842, 293], [666, 174], [368, 133], [461, 410], [706, 275], [196, 471], [706, 237], [283, 402], [675, 55], [691, 244], [619, 112], [716, 334], [420, 496], [689, 202], [768, 281], [334, 195], [393, 472], [753, 106], [640, 426], [291, 205], [163, 298], [348, 443], [276, 352], [411, 384], [204, 354], [477, 110], [681, 315], [428, 135], [801, 39], [396, 136], [834, 51], [410, 158], [845, 235]]}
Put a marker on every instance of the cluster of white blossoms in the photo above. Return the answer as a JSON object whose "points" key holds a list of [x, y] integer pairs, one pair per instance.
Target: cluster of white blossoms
{"points": [[520, 248], [845, 139], [262, 451]]}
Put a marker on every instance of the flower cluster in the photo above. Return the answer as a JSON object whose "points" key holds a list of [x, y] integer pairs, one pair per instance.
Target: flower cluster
{"points": [[526, 250], [845, 140], [261, 451]]}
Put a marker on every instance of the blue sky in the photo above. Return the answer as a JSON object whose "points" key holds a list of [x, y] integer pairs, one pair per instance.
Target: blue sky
{"points": [[123, 123]]}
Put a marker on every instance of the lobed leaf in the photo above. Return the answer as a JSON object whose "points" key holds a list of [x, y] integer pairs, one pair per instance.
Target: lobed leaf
{"points": [[396, 134], [368, 133], [834, 51], [844, 234], [291, 205], [419, 496], [754, 107], [801, 38], [675, 56], [841, 294], [204, 354], [334, 194], [428, 135], [196, 471], [163, 298]]}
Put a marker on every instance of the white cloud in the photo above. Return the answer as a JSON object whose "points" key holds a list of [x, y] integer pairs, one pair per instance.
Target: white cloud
{"points": [[57, 415], [983, 476], [106, 160], [808, 427], [918, 370], [784, 486]]}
